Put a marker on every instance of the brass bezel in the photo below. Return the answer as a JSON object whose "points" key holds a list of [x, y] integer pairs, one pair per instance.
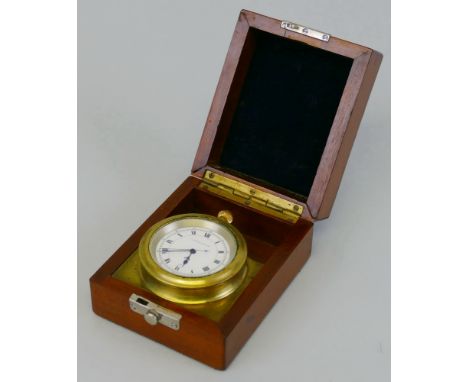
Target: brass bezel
{"points": [[193, 290]]}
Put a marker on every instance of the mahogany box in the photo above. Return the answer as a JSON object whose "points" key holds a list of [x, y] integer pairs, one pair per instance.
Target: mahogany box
{"points": [[276, 141]]}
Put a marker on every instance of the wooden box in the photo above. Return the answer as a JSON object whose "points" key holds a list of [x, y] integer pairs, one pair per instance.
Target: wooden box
{"points": [[275, 144]]}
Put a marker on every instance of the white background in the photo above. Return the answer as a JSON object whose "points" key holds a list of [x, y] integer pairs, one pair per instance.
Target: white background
{"points": [[38, 210]]}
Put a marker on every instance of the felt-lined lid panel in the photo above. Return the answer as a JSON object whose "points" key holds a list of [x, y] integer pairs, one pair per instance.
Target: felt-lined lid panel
{"points": [[283, 109], [285, 112]]}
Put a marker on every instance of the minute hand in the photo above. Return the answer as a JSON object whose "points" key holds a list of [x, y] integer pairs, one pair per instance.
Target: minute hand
{"points": [[183, 250]]}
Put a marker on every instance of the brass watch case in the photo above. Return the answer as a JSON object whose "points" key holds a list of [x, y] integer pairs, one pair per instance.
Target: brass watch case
{"points": [[193, 290]]}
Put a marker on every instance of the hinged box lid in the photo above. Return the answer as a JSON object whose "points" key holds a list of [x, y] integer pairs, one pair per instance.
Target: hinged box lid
{"points": [[287, 108]]}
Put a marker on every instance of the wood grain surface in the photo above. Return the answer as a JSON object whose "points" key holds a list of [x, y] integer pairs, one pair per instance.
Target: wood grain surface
{"points": [[281, 247]]}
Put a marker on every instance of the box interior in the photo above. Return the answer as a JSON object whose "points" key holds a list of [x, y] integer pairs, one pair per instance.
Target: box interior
{"points": [[279, 112], [265, 237]]}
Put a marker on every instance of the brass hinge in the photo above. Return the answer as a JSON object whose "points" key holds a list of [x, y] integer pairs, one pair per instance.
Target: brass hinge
{"points": [[257, 199], [305, 31]]}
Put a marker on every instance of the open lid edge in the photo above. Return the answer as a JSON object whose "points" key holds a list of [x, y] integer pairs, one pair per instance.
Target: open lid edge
{"points": [[355, 95]]}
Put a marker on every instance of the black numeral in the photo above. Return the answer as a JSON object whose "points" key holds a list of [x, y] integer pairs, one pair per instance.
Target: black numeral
{"points": [[167, 261], [207, 234], [206, 269], [169, 241], [220, 251], [164, 250], [194, 232], [177, 268], [217, 261]]}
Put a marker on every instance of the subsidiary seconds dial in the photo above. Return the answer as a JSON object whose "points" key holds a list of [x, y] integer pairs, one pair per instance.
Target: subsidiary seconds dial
{"points": [[192, 251]]}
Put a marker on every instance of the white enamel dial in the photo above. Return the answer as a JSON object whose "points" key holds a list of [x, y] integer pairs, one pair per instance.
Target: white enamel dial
{"points": [[193, 251]]}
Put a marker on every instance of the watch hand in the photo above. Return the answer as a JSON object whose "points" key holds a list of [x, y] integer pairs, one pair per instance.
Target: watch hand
{"points": [[183, 250], [186, 260], [192, 251]]}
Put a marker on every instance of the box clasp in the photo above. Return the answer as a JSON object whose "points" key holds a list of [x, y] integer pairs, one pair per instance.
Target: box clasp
{"points": [[305, 31], [153, 313], [257, 199]]}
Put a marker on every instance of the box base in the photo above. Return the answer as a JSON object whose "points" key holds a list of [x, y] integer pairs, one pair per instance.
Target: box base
{"points": [[210, 334]]}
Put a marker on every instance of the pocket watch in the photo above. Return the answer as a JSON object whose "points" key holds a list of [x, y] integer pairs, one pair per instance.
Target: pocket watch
{"points": [[193, 258]]}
